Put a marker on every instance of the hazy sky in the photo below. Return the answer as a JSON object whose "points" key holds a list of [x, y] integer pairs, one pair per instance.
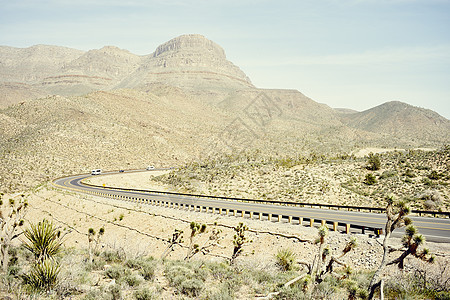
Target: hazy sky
{"points": [[344, 53]]}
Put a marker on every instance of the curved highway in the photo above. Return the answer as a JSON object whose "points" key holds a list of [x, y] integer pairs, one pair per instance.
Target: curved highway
{"points": [[434, 229]]}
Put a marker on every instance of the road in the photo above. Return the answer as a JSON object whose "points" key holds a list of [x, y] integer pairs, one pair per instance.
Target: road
{"points": [[434, 229]]}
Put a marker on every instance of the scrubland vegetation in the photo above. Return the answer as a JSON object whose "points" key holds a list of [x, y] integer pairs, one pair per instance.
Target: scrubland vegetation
{"points": [[41, 267], [420, 177]]}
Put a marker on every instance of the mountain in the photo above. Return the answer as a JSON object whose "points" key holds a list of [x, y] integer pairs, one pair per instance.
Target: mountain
{"points": [[33, 64], [398, 119], [65, 111], [189, 61]]}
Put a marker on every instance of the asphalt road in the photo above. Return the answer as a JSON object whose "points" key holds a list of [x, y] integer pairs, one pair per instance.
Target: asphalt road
{"points": [[434, 229]]}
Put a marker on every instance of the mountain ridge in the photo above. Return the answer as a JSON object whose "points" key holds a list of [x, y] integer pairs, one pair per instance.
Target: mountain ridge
{"points": [[109, 108]]}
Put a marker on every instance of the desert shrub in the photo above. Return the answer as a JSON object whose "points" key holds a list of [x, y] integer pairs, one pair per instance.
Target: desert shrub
{"points": [[191, 287], [134, 263], [145, 294], [93, 295], [147, 270], [294, 293], [186, 278], [373, 162], [434, 175], [115, 256], [116, 272], [433, 199], [222, 294], [115, 291], [95, 265], [285, 259], [132, 280], [388, 174], [261, 276], [423, 168], [370, 179], [409, 173], [325, 290], [428, 182]]}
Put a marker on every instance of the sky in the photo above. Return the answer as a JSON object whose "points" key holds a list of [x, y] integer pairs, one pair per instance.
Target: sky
{"points": [[345, 53]]}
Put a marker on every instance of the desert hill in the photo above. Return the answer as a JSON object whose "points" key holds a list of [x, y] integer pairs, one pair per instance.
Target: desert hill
{"points": [[191, 62], [396, 118], [65, 111]]}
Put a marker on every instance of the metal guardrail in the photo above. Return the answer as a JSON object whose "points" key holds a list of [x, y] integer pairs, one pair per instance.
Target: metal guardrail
{"points": [[288, 203], [239, 212]]}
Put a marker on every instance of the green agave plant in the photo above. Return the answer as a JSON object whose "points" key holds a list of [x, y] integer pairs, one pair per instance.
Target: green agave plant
{"points": [[44, 240], [43, 275]]}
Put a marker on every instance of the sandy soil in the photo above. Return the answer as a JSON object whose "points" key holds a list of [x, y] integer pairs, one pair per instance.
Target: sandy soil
{"points": [[366, 151]]}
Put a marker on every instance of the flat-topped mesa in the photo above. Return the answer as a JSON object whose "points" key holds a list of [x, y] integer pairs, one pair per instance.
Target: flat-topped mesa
{"points": [[191, 42], [189, 61]]}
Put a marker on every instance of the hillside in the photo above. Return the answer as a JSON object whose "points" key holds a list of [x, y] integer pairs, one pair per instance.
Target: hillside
{"points": [[402, 120], [65, 111]]}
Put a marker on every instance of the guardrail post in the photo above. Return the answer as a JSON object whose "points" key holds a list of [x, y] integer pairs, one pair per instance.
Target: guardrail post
{"points": [[290, 219], [227, 212], [251, 215], [220, 211], [322, 223], [311, 222], [279, 217], [300, 220], [269, 217], [260, 215], [363, 230], [335, 225], [347, 228], [243, 213]]}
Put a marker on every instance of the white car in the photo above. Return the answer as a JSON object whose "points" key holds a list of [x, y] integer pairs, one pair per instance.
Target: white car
{"points": [[96, 172], [150, 168]]}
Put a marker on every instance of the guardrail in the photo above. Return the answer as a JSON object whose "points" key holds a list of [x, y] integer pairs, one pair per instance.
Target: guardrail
{"points": [[288, 203], [251, 214]]}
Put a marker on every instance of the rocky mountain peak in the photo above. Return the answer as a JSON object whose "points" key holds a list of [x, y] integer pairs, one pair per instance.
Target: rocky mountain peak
{"points": [[190, 43]]}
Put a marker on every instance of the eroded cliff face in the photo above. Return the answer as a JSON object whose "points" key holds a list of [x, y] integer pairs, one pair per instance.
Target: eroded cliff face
{"points": [[189, 61], [193, 42]]}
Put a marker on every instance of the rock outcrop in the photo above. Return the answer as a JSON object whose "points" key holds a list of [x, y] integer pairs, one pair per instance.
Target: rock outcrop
{"points": [[189, 61]]}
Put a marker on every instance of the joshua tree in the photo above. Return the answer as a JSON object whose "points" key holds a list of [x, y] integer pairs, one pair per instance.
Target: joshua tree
{"points": [[11, 219], [239, 240], [196, 228], [213, 240], [92, 239], [323, 262], [177, 239], [396, 213]]}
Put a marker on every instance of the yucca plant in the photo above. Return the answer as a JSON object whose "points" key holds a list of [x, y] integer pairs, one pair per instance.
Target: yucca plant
{"points": [[44, 240], [285, 259], [43, 275]]}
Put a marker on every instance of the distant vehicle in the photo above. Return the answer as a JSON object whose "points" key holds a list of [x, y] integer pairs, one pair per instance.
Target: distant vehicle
{"points": [[96, 172], [121, 171], [150, 168]]}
